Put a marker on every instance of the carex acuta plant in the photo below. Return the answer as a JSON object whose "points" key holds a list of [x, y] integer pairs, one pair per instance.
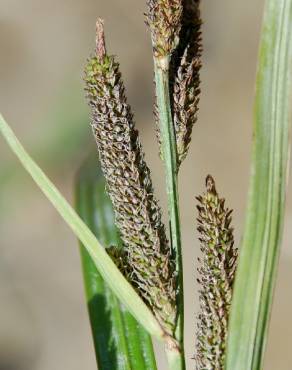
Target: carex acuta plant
{"points": [[135, 288], [149, 261], [216, 277]]}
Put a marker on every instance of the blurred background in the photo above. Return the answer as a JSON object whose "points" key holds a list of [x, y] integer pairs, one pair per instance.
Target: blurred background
{"points": [[44, 46]]}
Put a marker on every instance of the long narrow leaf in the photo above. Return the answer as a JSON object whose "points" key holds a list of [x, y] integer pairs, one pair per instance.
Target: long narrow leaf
{"points": [[103, 262], [255, 281], [120, 342]]}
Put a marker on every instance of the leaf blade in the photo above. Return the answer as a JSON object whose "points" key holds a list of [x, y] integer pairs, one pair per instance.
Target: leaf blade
{"points": [[255, 280]]}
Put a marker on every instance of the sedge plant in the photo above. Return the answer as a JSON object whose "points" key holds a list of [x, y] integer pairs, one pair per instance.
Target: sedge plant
{"points": [[132, 266]]}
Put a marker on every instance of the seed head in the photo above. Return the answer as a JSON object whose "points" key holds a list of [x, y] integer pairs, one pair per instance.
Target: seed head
{"points": [[137, 214], [184, 78], [164, 21], [216, 277]]}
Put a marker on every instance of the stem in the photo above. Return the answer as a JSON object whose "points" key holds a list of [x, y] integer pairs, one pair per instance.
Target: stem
{"points": [[168, 143], [175, 359]]}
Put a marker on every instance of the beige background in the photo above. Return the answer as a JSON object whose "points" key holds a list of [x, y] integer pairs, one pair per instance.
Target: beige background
{"points": [[44, 45]]}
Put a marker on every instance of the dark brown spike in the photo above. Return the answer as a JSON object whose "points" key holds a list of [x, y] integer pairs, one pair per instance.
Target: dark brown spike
{"points": [[185, 65], [164, 21], [185, 76], [216, 277], [137, 213]]}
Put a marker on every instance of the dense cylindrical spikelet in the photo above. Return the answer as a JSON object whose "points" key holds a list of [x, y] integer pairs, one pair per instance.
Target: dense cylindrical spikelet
{"points": [[216, 277], [137, 214], [185, 76], [164, 20]]}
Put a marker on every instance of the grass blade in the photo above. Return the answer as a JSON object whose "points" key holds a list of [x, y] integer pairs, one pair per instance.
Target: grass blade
{"points": [[103, 262], [256, 275], [120, 342]]}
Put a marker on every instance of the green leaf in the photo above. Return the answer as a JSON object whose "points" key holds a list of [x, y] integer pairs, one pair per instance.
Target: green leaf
{"points": [[256, 275], [120, 342], [103, 262]]}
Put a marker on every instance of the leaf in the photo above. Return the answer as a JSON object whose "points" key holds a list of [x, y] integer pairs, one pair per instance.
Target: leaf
{"points": [[103, 262], [120, 342], [256, 275]]}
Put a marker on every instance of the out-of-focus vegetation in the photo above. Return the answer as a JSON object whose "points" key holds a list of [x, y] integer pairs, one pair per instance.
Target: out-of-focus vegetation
{"points": [[61, 143]]}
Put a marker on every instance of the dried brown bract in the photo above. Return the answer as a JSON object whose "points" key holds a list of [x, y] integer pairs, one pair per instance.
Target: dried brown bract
{"points": [[137, 214], [216, 277]]}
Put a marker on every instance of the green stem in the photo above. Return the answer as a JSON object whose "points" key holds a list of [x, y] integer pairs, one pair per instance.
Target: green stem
{"points": [[169, 151], [175, 359]]}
